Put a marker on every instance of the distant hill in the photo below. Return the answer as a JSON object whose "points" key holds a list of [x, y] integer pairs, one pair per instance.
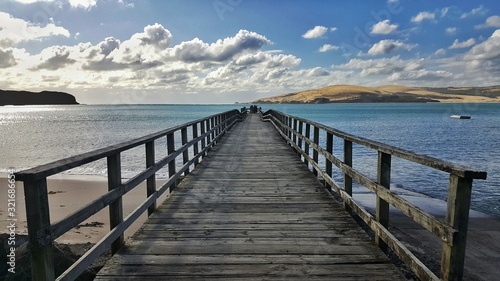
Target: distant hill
{"points": [[388, 93], [30, 98]]}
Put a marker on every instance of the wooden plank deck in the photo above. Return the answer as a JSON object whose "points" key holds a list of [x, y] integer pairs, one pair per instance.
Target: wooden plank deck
{"points": [[251, 210]]}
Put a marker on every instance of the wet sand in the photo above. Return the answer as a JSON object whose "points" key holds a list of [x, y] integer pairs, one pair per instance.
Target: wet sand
{"points": [[67, 194]]}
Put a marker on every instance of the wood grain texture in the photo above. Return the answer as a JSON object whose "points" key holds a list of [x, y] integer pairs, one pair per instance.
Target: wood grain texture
{"points": [[250, 210]]}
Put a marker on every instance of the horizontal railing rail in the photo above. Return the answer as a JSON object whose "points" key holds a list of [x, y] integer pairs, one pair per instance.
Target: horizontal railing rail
{"points": [[453, 231], [205, 133]]}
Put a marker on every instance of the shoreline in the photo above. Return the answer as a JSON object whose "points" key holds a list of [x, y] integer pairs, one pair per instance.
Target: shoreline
{"points": [[67, 194]]}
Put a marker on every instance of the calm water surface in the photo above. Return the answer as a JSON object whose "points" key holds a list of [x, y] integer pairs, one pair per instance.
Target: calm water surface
{"points": [[34, 135]]}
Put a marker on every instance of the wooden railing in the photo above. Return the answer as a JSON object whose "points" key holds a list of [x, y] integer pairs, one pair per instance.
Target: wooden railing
{"points": [[453, 231], [42, 233]]}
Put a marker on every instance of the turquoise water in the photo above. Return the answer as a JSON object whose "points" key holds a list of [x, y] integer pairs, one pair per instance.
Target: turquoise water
{"points": [[34, 135]]}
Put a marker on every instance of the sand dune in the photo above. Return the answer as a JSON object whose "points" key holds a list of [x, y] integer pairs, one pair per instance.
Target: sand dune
{"points": [[388, 93]]}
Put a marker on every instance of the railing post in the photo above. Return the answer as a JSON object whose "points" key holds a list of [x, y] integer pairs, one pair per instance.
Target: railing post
{"points": [[38, 218], [208, 130], [203, 140], [306, 144], [151, 181], [195, 145], [295, 129], [116, 207], [289, 124], [384, 179], [328, 163], [212, 125], [457, 215], [171, 164], [315, 152], [283, 128], [347, 179], [185, 153], [301, 127]]}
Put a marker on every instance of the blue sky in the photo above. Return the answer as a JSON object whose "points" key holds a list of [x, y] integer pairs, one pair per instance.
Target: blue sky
{"points": [[223, 51]]}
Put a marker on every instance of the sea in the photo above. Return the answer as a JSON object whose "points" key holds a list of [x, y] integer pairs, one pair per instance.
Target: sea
{"points": [[36, 135]]}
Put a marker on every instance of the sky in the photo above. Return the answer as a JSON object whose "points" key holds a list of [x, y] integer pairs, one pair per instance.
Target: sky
{"points": [[226, 51]]}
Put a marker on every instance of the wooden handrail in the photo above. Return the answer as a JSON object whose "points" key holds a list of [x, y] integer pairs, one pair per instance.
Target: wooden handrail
{"points": [[42, 233], [429, 161], [453, 231]]}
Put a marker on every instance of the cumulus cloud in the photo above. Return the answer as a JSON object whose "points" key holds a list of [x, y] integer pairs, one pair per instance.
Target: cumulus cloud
{"points": [[373, 67], [420, 75], [16, 30], [316, 32], [493, 21], [486, 55], [387, 46], [196, 50], [420, 17], [54, 58], [317, 72], [384, 27], [7, 58], [328, 47], [461, 45], [396, 69]]}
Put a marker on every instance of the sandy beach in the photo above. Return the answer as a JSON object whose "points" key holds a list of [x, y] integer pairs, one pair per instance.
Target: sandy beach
{"points": [[67, 194]]}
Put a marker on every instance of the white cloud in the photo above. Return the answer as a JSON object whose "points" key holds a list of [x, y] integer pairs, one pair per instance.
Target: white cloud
{"points": [[16, 30], [54, 58], [383, 27], [461, 45], [196, 50], [387, 46], [451, 30], [493, 21], [485, 57], [85, 4], [317, 72], [7, 58], [423, 16], [316, 32], [328, 47], [440, 52], [475, 12], [82, 4]]}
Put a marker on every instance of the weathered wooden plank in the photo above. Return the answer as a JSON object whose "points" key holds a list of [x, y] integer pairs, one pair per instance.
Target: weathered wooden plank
{"points": [[337, 226], [241, 214], [247, 259], [176, 234], [270, 270], [116, 207]]}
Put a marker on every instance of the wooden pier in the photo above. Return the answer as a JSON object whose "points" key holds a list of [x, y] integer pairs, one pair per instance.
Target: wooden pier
{"points": [[250, 211], [250, 206]]}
